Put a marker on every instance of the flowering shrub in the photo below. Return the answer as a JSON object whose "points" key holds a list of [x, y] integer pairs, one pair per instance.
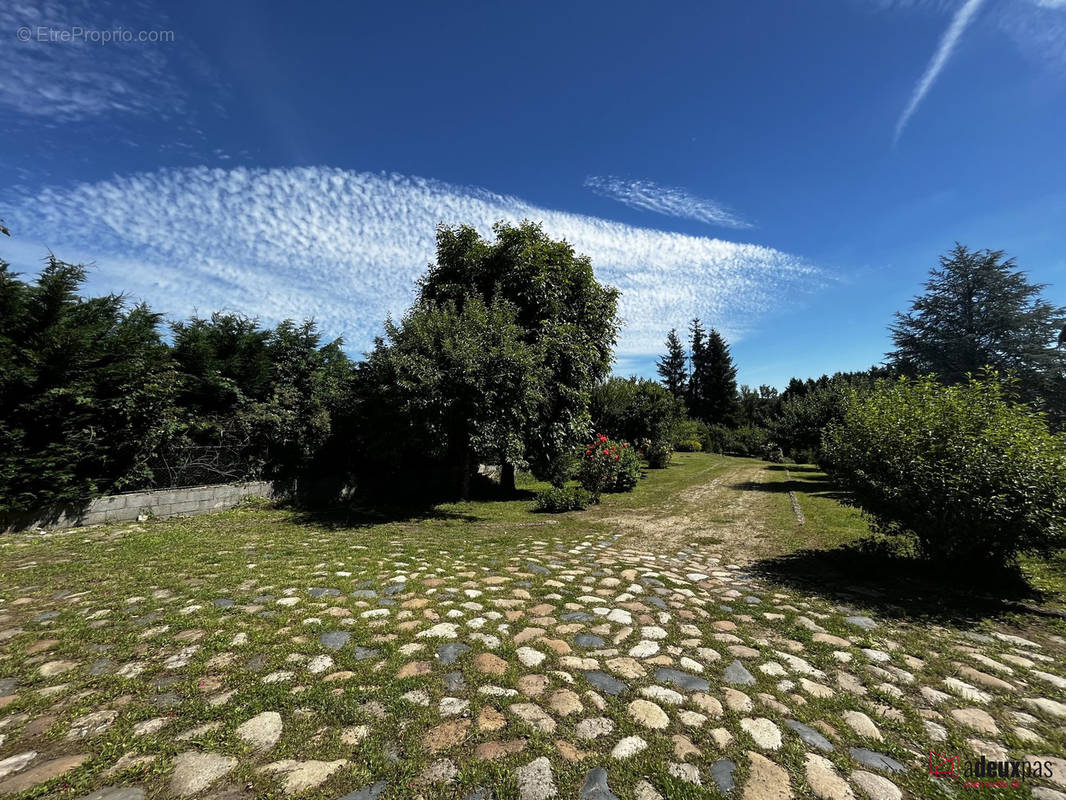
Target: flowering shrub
{"points": [[657, 453], [608, 466]]}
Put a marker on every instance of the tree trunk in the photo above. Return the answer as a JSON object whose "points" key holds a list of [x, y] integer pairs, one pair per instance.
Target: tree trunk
{"points": [[507, 477]]}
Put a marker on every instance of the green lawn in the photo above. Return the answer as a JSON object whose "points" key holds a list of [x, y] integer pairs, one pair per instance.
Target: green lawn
{"points": [[197, 625]]}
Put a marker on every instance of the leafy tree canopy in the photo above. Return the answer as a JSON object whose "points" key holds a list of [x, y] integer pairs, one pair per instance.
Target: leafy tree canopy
{"points": [[980, 310]]}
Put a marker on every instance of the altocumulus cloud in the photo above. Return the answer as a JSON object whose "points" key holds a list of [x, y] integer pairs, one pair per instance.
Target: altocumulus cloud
{"points": [[671, 201], [346, 248], [60, 82]]}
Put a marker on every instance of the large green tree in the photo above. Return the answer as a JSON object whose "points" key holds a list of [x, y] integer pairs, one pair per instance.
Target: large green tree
{"points": [[255, 401], [980, 310], [695, 392], [673, 366], [454, 385], [86, 391], [720, 403], [564, 314]]}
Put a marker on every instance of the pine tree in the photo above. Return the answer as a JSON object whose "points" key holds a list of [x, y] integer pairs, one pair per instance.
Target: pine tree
{"points": [[719, 382], [694, 395], [980, 310], [672, 367]]}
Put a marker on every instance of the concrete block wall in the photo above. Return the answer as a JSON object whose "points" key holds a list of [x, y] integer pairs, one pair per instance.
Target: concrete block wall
{"points": [[157, 503]]}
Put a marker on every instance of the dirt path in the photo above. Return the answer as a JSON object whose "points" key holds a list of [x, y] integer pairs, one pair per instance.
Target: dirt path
{"points": [[727, 510]]}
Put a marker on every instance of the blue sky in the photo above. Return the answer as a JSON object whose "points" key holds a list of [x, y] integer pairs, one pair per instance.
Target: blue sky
{"points": [[786, 171]]}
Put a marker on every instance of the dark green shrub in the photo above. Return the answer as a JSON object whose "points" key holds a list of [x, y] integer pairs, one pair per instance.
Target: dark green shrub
{"points": [[746, 442], [771, 451], [608, 466], [689, 435], [716, 438], [635, 410], [658, 454], [969, 474], [563, 498], [808, 409], [87, 391]]}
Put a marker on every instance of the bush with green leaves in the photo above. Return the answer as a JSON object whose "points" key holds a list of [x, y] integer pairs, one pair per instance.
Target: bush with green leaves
{"points": [[635, 410], [744, 441], [964, 470], [771, 451], [657, 454], [688, 436], [559, 499], [715, 438], [608, 466]]}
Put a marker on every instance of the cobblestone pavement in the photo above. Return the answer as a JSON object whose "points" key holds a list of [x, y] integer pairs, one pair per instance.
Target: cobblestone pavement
{"points": [[558, 667]]}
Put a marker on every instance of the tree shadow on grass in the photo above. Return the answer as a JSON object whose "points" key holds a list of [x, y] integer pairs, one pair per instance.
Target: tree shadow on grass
{"points": [[876, 575], [820, 487], [413, 506]]}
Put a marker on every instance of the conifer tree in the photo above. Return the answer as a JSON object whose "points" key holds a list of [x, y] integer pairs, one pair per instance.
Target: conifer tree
{"points": [[672, 367], [719, 391], [698, 370]]}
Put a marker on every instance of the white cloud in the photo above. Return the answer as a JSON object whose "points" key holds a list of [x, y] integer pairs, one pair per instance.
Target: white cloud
{"points": [[64, 81], [671, 201], [346, 248], [948, 42], [1036, 27]]}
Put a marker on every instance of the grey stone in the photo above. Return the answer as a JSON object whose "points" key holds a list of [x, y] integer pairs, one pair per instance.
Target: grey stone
{"points": [[194, 772], [682, 680], [393, 588], [316, 591], [166, 700], [334, 640], [588, 640], [874, 760], [368, 793], [577, 616], [360, 653], [810, 736], [261, 732], [865, 623], [722, 775], [454, 681], [738, 675], [223, 602], [480, 793], [596, 787], [101, 666], [537, 568], [7, 686], [449, 652], [115, 793], [535, 780], [605, 683]]}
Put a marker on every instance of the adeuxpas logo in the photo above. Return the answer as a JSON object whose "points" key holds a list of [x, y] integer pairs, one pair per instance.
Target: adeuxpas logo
{"points": [[984, 773]]}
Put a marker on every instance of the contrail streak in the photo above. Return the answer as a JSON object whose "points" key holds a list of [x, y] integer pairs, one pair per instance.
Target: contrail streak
{"points": [[962, 19]]}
